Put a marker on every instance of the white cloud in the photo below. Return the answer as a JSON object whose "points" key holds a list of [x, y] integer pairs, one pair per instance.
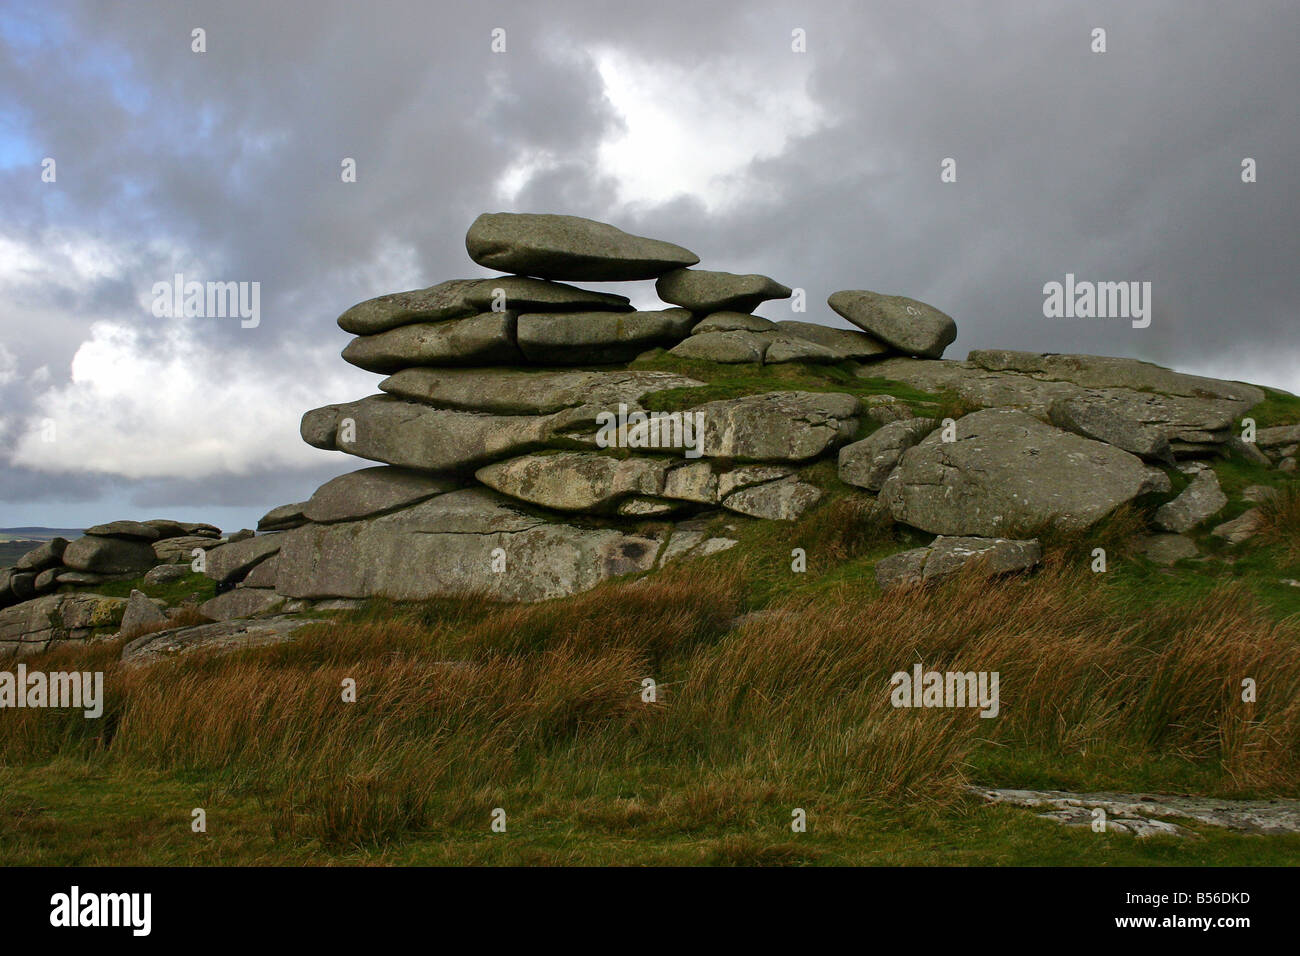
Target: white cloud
{"points": [[695, 131], [173, 407]]}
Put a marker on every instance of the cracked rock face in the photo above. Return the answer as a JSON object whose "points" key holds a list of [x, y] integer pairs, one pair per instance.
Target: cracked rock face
{"points": [[867, 463], [1007, 470], [1196, 415], [32, 626], [778, 426]]}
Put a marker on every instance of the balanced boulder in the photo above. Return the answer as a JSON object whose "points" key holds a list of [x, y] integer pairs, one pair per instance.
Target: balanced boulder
{"points": [[911, 327], [570, 248], [703, 291]]}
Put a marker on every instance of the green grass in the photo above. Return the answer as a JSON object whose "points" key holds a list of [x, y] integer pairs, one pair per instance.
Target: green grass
{"points": [[173, 592], [71, 814], [735, 381], [1277, 408]]}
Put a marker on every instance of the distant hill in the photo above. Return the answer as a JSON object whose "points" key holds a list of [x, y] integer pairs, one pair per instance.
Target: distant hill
{"points": [[15, 542], [38, 534]]}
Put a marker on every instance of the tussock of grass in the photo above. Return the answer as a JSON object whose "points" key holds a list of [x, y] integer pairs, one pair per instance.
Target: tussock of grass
{"points": [[1280, 519]]}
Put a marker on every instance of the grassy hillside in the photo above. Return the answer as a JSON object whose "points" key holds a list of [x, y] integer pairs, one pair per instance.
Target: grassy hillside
{"points": [[771, 695]]}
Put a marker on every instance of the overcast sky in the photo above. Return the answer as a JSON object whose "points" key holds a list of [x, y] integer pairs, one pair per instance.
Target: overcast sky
{"points": [[686, 121]]}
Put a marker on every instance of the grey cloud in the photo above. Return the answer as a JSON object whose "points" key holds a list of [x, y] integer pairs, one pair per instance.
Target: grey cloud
{"points": [[1114, 166]]}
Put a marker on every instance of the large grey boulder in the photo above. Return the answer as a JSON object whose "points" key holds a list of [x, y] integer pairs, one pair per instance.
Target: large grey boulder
{"points": [[1200, 500], [448, 546], [948, 556], [569, 247], [596, 338], [575, 481], [109, 555], [372, 491], [484, 339], [230, 562], [782, 500], [911, 327], [1093, 420], [525, 392], [413, 435], [34, 626], [867, 463], [777, 426], [1006, 471], [458, 298], [140, 614], [701, 290], [729, 348], [47, 555]]}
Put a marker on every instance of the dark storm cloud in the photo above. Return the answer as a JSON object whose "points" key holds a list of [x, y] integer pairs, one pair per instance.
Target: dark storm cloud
{"points": [[1123, 165]]}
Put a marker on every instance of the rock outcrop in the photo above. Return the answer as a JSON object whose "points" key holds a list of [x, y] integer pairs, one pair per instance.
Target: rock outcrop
{"points": [[531, 439], [1006, 471]]}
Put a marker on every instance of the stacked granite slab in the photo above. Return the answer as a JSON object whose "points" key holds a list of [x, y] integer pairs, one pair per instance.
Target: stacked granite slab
{"points": [[493, 476]]}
